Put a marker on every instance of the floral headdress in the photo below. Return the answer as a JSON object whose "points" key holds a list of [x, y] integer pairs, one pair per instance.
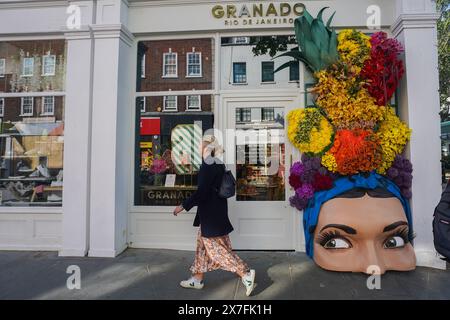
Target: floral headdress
{"points": [[352, 129]]}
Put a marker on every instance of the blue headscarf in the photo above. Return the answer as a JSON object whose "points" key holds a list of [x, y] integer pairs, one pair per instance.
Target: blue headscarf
{"points": [[342, 185]]}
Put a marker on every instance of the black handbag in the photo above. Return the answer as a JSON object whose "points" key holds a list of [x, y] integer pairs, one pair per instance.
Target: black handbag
{"points": [[227, 188]]}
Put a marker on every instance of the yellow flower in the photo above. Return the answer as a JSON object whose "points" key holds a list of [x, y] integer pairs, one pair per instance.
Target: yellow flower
{"points": [[354, 48], [393, 135], [309, 130], [329, 162]]}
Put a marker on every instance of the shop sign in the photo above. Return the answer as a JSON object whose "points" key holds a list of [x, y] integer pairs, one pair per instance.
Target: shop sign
{"points": [[258, 13], [163, 197]]}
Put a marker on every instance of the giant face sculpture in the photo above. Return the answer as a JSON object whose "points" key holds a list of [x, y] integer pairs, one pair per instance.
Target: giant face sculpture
{"points": [[361, 229]]}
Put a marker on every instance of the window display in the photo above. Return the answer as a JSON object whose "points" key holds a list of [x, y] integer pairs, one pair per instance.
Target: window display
{"points": [[260, 154], [168, 152], [32, 126]]}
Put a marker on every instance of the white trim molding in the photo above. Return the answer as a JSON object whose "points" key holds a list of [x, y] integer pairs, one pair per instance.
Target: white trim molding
{"points": [[414, 21]]}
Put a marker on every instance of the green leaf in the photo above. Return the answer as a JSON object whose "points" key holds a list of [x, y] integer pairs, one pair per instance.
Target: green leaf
{"points": [[307, 16], [320, 35], [330, 19], [293, 54], [332, 48], [285, 65], [320, 14], [298, 32], [312, 54], [306, 29]]}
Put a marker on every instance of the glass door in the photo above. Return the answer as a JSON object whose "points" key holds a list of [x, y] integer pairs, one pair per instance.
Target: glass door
{"points": [[260, 212]]}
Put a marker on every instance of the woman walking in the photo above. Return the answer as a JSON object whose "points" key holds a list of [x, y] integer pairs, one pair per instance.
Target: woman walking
{"points": [[214, 249]]}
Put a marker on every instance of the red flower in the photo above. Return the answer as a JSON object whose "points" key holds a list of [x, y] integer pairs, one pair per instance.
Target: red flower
{"points": [[295, 181], [322, 182], [384, 70]]}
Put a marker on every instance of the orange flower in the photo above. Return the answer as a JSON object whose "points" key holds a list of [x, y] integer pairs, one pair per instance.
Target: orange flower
{"points": [[356, 151]]}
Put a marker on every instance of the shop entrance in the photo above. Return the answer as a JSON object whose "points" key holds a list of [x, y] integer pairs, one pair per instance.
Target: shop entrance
{"points": [[260, 212]]}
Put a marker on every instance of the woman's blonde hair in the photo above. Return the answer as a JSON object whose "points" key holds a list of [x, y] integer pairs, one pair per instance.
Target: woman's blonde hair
{"points": [[213, 147]]}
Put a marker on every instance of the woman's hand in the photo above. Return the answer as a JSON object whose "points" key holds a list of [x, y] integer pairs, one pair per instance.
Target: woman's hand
{"points": [[177, 210]]}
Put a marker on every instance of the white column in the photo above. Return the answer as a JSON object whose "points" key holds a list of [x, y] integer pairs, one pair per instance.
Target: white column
{"points": [[77, 131], [415, 27], [113, 85]]}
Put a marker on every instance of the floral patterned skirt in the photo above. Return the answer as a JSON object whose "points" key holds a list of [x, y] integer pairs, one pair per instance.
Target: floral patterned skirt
{"points": [[216, 253]]}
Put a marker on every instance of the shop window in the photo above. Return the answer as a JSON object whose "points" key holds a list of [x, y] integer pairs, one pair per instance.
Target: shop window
{"points": [[48, 65], [294, 71], [170, 103], [239, 72], [260, 157], [2, 67], [267, 74], [168, 156], [241, 40], [143, 66], [193, 103], [48, 106], [28, 67], [194, 64], [32, 126], [170, 65], [26, 106]]}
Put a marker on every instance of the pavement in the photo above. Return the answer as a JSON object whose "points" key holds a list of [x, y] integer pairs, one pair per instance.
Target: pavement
{"points": [[155, 274]]}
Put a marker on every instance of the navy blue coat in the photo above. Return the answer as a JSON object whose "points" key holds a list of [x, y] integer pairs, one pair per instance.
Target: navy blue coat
{"points": [[212, 211]]}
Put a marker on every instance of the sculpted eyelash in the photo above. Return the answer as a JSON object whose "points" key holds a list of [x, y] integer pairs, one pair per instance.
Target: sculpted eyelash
{"points": [[404, 234], [326, 236]]}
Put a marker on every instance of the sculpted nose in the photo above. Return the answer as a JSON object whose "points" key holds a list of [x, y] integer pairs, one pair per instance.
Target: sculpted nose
{"points": [[371, 262]]}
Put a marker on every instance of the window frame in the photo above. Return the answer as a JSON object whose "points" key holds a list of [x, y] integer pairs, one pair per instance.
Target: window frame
{"points": [[3, 67], [2, 107], [234, 73], [144, 104], [143, 65], [165, 54], [24, 66], [23, 114], [43, 112], [188, 64], [262, 71], [298, 73], [199, 108], [164, 104], [44, 59]]}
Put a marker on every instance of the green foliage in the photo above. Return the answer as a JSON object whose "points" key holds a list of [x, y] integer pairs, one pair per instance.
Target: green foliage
{"points": [[317, 42], [272, 45]]}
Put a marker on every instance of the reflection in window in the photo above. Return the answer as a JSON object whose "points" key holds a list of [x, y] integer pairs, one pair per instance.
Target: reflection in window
{"points": [[170, 65], [193, 103], [48, 65], [170, 103], [27, 106], [2, 67], [28, 66], [194, 60], [31, 127], [168, 155], [294, 71], [260, 156]]}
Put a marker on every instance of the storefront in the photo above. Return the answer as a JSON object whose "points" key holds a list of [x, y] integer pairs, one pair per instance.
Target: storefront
{"points": [[118, 93]]}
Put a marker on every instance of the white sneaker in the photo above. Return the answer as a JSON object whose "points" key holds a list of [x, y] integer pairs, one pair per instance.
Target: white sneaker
{"points": [[192, 283], [249, 281]]}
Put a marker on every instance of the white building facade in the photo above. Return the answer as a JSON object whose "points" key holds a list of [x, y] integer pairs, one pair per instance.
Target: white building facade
{"points": [[132, 69]]}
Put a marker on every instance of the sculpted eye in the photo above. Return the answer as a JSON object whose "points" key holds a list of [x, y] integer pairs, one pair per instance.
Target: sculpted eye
{"points": [[337, 243], [394, 242]]}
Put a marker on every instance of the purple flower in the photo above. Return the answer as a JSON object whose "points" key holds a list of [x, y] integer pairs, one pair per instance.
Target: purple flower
{"points": [[298, 203], [306, 191], [297, 169], [392, 172], [407, 193]]}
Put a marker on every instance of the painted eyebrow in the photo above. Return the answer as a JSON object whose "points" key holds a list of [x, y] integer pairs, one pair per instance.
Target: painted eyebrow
{"points": [[343, 227], [394, 225]]}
